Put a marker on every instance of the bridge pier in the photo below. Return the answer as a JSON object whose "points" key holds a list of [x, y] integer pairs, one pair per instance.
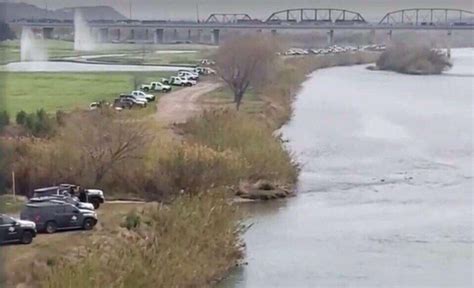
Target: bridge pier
{"points": [[175, 34], [215, 36], [132, 34], [274, 32], [390, 35], [47, 32], [448, 44], [372, 37], [103, 35], [118, 35], [189, 34], [158, 37], [199, 36], [330, 37]]}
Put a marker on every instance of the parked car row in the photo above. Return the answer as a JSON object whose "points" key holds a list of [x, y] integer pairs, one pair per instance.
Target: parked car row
{"points": [[186, 77], [207, 62], [62, 207], [335, 49], [140, 98]]}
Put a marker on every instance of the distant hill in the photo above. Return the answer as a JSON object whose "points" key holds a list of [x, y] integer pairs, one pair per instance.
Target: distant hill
{"points": [[12, 11], [94, 13]]}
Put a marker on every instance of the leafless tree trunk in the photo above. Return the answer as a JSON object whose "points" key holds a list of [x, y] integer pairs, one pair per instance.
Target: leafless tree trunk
{"points": [[243, 61]]}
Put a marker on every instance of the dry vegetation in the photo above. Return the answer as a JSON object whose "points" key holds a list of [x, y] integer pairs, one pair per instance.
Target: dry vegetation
{"points": [[186, 244], [413, 59]]}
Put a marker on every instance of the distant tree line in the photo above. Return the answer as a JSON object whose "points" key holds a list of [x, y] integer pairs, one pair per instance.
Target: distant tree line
{"points": [[6, 33]]}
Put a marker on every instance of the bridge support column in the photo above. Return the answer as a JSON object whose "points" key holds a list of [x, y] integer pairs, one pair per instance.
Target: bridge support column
{"points": [[390, 34], [372, 39], [175, 34], [158, 37], [215, 36], [147, 35], [47, 32], [189, 35], [274, 32], [118, 34], [103, 35], [448, 44], [199, 35], [330, 37], [132, 34]]}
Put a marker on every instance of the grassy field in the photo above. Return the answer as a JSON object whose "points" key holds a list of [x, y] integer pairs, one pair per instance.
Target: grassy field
{"points": [[56, 49], [134, 53], [66, 91]]}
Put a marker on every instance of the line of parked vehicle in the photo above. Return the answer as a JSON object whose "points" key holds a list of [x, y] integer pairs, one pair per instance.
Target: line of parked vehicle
{"points": [[62, 207], [141, 98], [335, 49]]}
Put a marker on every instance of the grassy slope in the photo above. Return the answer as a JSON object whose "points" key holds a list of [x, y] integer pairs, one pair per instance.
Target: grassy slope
{"points": [[66, 91]]}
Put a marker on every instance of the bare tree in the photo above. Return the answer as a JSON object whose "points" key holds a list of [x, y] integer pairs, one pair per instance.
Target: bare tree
{"points": [[105, 141], [244, 61]]}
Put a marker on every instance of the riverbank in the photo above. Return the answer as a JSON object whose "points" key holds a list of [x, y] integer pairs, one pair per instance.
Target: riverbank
{"points": [[250, 133]]}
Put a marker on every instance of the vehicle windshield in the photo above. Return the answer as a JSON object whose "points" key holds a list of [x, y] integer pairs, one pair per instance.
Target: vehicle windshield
{"points": [[7, 219]]}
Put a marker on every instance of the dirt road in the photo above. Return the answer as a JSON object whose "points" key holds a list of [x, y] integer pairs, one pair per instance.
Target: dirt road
{"points": [[177, 107]]}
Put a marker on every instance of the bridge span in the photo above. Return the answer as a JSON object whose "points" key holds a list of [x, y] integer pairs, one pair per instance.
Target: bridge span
{"points": [[327, 19]]}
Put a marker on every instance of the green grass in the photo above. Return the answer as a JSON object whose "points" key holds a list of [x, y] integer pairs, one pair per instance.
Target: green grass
{"points": [[66, 91], [56, 49], [135, 53]]}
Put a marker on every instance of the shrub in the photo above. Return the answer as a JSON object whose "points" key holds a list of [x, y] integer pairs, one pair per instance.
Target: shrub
{"points": [[191, 168], [4, 120], [185, 244], [21, 117], [247, 137], [413, 60], [38, 124], [132, 220]]}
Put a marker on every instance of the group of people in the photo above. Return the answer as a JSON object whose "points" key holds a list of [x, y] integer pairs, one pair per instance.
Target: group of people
{"points": [[79, 192]]}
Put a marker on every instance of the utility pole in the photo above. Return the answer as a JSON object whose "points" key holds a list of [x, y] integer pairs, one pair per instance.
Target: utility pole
{"points": [[13, 186], [130, 9], [197, 12]]}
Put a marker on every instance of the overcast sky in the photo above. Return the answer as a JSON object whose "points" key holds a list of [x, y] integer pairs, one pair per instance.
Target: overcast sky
{"points": [[187, 9]]}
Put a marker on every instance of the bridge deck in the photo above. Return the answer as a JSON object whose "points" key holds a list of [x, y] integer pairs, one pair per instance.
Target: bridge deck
{"points": [[254, 26]]}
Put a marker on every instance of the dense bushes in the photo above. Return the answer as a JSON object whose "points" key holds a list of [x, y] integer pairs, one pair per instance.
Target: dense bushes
{"points": [[411, 59], [186, 244], [110, 151], [38, 124], [248, 139]]}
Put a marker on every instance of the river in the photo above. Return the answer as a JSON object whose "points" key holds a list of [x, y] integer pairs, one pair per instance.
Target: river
{"points": [[386, 189]]}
